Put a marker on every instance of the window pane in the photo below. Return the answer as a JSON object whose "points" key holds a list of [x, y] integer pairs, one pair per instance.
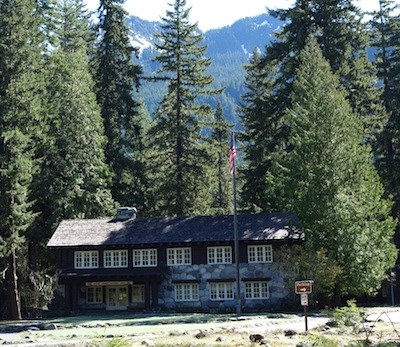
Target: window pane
{"points": [[260, 254], [219, 255], [153, 257], [94, 295], [256, 290], [213, 291], [138, 293], [145, 257], [187, 256], [178, 256], [227, 255], [95, 259], [221, 291], [116, 258], [186, 292], [124, 258], [229, 291], [78, 260], [85, 259]]}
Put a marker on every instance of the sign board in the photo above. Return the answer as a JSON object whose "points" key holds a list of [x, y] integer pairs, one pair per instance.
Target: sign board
{"points": [[303, 287], [304, 299]]}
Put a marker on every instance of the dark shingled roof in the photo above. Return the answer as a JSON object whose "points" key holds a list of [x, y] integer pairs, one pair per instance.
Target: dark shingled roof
{"points": [[167, 230]]}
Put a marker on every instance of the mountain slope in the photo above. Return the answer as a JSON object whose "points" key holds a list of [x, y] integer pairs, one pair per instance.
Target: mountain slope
{"points": [[229, 49]]}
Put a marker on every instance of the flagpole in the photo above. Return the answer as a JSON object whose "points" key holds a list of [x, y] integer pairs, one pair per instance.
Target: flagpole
{"points": [[235, 229]]}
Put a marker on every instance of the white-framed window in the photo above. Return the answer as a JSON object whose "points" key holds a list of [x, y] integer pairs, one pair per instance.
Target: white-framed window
{"points": [[186, 292], [138, 293], [86, 259], [221, 290], [219, 255], [94, 295], [145, 257], [256, 290], [117, 258], [179, 256], [259, 254]]}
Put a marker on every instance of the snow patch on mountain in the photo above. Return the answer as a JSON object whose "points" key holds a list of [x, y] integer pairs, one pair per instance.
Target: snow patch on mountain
{"points": [[264, 24], [140, 42]]}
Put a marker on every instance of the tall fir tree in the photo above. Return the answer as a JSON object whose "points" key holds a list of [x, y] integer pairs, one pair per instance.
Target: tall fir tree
{"points": [[262, 135], [329, 180], [78, 177], [116, 77], [73, 181], [221, 179], [20, 109], [343, 39], [386, 34], [180, 160]]}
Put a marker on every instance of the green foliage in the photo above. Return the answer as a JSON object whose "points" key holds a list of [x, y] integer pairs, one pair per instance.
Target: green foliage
{"points": [[346, 316], [73, 180], [20, 125], [70, 26], [116, 77], [343, 39], [301, 262], [37, 290], [220, 177], [262, 135], [320, 341], [357, 343], [75, 174], [385, 31], [179, 161], [114, 342], [329, 180]]}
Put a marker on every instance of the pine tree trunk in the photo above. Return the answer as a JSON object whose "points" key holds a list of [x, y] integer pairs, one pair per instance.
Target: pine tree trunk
{"points": [[14, 304], [337, 298]]}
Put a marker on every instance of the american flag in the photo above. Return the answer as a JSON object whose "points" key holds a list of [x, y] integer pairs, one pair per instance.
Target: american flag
{"points": [[232, 155]]}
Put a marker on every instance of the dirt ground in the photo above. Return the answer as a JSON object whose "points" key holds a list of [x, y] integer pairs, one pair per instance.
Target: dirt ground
{"points": [[279, 330]]}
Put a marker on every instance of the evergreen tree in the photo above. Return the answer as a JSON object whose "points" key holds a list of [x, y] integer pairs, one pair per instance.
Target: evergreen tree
{"points": [[116, 77], [343, 39], [329, 180], [221, 186], [262, 135], [20, 91], [74, 180], [180, 159], [386, 35], [78, 177]]}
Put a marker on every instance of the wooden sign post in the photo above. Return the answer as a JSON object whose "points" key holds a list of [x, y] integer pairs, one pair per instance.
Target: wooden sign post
{"points": [[304, 288]]}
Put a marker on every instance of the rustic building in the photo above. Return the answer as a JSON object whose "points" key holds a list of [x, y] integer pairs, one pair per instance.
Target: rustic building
{"points": [[176, 263]]}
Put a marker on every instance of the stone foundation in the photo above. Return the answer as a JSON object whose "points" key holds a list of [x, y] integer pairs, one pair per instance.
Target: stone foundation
{"points": [[204, 274]]}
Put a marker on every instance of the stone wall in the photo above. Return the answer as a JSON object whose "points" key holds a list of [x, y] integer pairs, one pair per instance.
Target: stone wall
{"points": [[278, 295]]}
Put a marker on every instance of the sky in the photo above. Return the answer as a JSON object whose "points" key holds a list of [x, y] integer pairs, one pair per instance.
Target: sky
{"points": [[212, 14]]}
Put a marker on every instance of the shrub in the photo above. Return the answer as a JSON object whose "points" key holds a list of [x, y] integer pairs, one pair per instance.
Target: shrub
{"points": [[302, 262], [114, 342], [320, 341], [349, 315]]}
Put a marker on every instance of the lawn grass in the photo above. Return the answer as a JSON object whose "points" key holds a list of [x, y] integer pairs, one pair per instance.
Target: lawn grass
{"points": [[182, 330], [139, 324], [166, 328]]}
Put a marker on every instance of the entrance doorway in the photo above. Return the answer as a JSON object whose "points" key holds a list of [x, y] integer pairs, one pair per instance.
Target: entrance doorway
{"points": [[117, 298]]}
